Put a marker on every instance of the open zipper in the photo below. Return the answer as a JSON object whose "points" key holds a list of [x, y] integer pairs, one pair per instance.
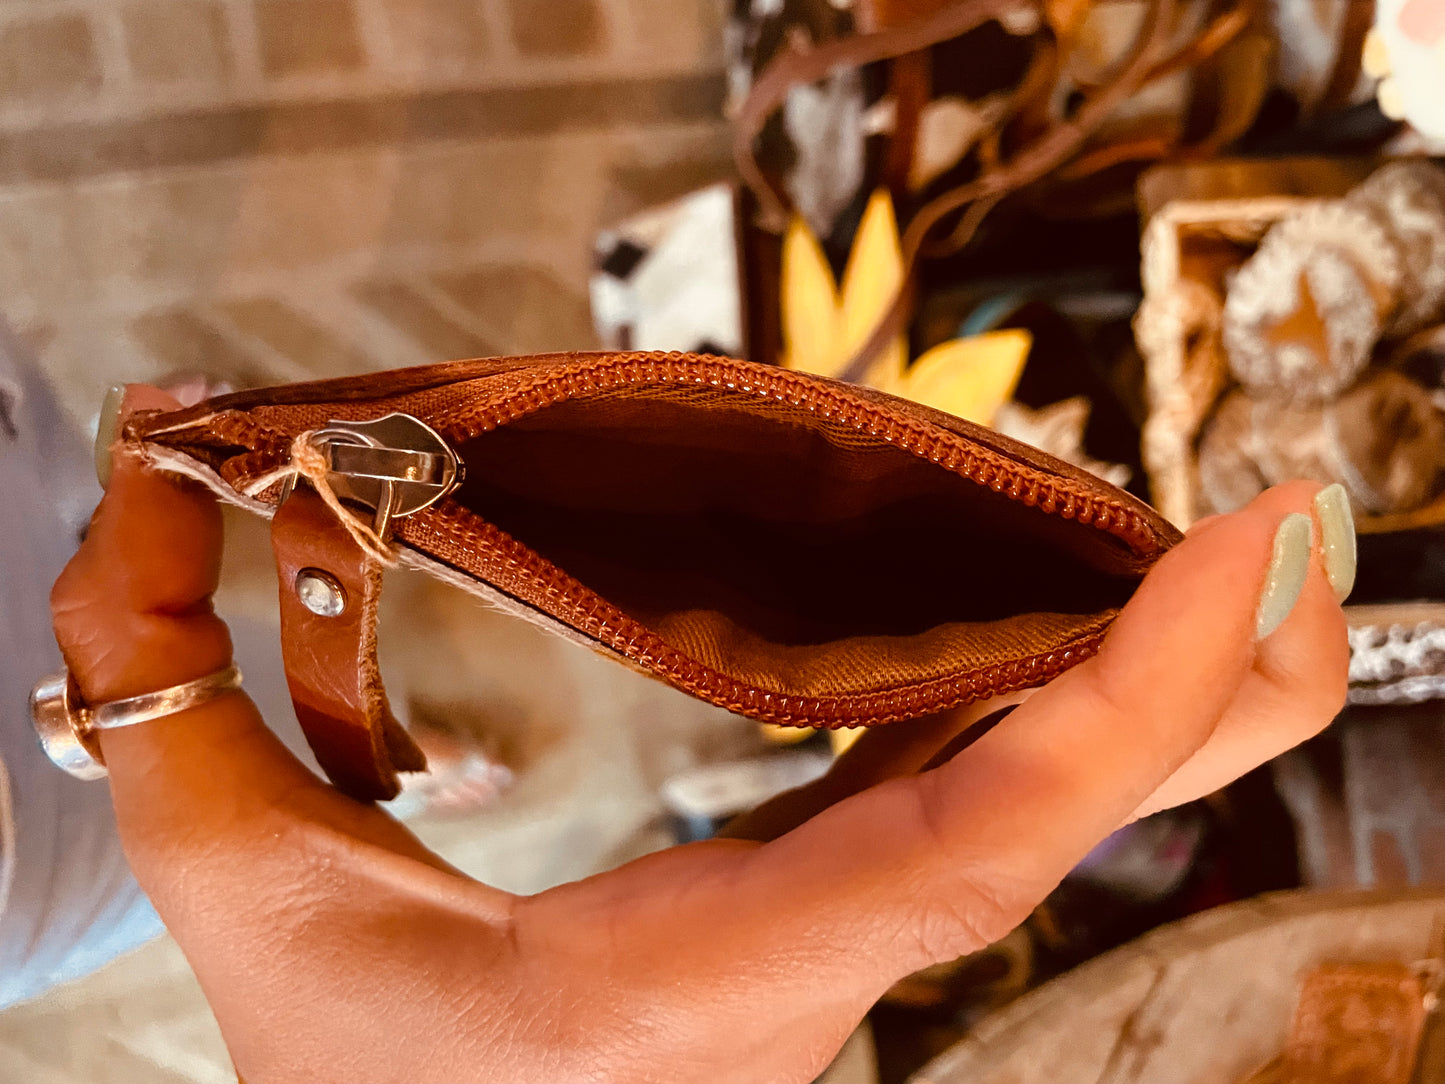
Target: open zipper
{"points": [[461, 538], [969, 457], [460, 409]]}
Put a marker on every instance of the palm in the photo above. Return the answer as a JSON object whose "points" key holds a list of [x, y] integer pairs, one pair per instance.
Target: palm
{"points": [[684, 965], [333, 947]]}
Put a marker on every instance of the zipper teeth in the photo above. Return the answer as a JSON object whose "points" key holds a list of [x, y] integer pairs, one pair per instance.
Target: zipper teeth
{"points": [[538, 582], [982, 466]]}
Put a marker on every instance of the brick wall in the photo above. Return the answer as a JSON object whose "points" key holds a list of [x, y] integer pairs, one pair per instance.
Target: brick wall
{"points": [[94, 59], [269, 190]]}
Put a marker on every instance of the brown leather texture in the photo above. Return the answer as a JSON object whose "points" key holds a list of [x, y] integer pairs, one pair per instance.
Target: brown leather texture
{"points": [[1356, 1024], [799, 550], [331, 665]]}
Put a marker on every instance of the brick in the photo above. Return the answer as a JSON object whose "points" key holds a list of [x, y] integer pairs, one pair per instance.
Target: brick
{"points": [[664, 176], [39, 262], [183, 342], [481, 193], [527, 307], [313, 349], [418, 317], [308, 37], [429, 33], [66, 152], [559, 28], [48, 57], [177, 41], [133, 231], [683, 36], [300, 212]]}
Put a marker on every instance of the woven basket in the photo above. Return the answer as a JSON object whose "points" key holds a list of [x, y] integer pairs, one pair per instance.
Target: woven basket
{"points": [[1190, 247]]}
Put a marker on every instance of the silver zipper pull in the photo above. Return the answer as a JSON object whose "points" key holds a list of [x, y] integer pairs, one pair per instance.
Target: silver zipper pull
{"points": [[396, 466]]}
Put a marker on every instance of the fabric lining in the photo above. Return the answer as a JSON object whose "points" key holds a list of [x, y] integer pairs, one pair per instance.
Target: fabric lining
{"points": [[793, 558]]}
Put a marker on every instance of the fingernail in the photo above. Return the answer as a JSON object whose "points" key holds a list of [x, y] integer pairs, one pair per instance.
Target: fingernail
{"points": [[1337, 538], [1288, 567], [105, 431]]}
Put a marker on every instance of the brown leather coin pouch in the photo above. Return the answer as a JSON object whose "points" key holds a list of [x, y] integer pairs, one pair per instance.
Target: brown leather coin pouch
{"points": [[798, 550]]}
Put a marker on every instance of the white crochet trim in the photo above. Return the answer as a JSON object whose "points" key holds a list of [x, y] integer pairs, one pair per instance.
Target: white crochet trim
{"points": [[1397, 664]]}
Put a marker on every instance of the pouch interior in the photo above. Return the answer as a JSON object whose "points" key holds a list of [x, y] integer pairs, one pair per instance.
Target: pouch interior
{"points": [[802, 559]]}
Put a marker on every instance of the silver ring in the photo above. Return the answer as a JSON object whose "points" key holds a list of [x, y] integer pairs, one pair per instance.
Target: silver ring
{"points": [[67, 726]]}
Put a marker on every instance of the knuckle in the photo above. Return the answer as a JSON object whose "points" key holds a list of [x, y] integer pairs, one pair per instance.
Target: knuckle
{"points": [[1314, 679], [75, 617], [971, 900], [975, 913], [1100, 688], [1326, 699], [69, 593]]}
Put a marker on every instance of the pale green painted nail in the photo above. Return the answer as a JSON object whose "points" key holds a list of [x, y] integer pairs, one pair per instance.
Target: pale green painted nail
{"points": [[105, 431], [1337, 538], [1288, 567]]}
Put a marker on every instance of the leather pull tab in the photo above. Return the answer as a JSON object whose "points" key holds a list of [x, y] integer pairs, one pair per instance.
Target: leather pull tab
{"points": [[329, 592], [1356, 1024]]}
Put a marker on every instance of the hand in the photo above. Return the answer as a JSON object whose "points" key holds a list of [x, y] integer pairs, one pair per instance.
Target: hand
{"points": [[332, 946]]}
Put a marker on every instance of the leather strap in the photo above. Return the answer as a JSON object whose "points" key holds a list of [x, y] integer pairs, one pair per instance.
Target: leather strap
{"points": [[331, 663], [1353, 1024], [1356, 1024]]}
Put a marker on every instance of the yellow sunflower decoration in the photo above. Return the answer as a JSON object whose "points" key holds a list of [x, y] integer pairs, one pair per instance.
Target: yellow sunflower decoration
{"points": [[824, 327]]}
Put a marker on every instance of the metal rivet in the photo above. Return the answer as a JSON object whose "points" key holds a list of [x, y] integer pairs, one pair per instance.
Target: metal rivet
{"points": [[320, 592]]}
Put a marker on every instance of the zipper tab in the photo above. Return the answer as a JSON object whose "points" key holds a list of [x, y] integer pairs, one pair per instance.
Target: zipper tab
{"points": [[395, 465]]}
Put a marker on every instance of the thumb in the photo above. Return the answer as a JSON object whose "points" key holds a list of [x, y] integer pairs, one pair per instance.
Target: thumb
{"points": [[207, 790]]}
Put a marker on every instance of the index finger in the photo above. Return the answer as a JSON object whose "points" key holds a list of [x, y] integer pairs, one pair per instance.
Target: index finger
{"points": [[923, 869]]}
